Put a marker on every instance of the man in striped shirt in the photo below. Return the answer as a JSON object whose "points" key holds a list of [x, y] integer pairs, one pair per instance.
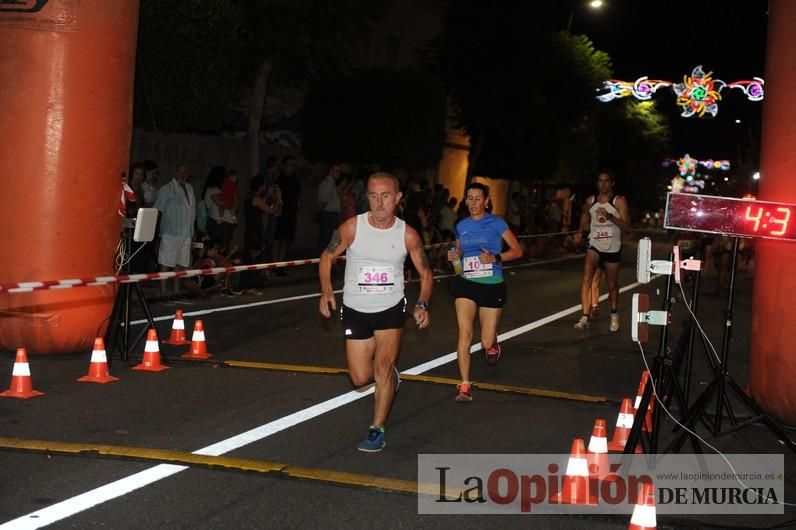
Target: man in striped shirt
{"points": [[177, 206]]}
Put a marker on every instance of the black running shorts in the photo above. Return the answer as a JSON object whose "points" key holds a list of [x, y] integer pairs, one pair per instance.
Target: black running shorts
{"points": [[358, 325], [608, 257], [483, 294]]}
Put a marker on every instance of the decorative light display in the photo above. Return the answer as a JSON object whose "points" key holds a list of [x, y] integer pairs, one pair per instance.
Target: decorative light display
{"points": [[687, 165], [698, 94], [689, 180]]}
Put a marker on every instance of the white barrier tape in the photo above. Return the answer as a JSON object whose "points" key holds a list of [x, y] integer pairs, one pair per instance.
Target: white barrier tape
{"points": [[24, 287]]}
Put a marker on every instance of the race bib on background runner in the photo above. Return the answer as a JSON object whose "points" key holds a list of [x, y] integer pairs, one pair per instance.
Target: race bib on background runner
{"points": [[473, 268], [372, 280]]}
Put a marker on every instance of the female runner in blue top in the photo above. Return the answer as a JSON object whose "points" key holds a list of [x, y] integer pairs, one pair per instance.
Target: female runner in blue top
{"points": [[480, 288]]}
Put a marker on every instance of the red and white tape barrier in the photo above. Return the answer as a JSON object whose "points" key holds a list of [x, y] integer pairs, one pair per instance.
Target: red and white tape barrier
{"points": [[23, 287], [26, 287]]}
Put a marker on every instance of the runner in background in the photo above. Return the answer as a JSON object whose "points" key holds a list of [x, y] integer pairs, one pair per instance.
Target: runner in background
{"points": [[605, 216]]}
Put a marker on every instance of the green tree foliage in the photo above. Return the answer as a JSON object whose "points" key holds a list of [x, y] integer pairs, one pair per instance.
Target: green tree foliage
{"points": [[525, 95], [390, 118], [633, 139], [575, 69], [187, 64], [518, 88]]}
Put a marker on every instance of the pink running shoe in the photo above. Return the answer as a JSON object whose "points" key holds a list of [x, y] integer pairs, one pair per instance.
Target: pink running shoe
{"points": [[493, 354], [464, 393]]}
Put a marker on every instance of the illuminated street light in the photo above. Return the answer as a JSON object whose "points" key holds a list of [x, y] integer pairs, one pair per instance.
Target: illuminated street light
{"points": [[737, 121], [726, 179], [594, 4], [756, 176]]}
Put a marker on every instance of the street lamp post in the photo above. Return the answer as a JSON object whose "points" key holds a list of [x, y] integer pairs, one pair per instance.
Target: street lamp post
{"points": [[593, 4]]}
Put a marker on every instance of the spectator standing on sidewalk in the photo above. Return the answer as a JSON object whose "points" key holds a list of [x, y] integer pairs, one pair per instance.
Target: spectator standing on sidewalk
{"points": [[328, 206], [177, 206]]}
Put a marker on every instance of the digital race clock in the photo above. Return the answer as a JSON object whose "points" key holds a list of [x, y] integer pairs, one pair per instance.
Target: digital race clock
{"points": [[733, 217]]}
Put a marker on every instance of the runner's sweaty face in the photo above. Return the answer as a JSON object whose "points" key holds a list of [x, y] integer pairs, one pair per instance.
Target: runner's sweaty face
{"points": [[604, 184], [383, 197], [476, 202]]}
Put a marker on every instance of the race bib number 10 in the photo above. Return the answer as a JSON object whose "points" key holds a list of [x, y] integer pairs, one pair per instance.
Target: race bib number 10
{"points": [[473, 268], [376, 279]]}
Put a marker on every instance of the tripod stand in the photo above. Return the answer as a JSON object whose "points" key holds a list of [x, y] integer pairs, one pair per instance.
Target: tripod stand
{"points": [[120, 316], [722, 380], [664, 374]]}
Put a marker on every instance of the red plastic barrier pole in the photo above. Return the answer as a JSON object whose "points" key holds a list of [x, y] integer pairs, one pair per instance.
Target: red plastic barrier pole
{"points": [[66, 91], [772, 366]]}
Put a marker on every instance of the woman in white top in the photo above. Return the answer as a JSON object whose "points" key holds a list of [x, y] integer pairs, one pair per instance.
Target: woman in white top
{"points": [[221, 217]]}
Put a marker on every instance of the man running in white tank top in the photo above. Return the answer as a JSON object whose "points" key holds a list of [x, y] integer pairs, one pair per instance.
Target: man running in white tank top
{"points": [[376, 244], [605, 217]]}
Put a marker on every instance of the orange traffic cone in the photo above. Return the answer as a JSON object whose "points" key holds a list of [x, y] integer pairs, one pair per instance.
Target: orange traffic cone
{"points": [[597, 452], [644, 511], [177, 337], [624, 422], [21, 384], [151, 360], [647, 427], [198, 346], [98, 369], [576, 489]]}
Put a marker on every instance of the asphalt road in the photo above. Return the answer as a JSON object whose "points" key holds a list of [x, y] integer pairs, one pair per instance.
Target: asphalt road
{"points": [[309, 424]]}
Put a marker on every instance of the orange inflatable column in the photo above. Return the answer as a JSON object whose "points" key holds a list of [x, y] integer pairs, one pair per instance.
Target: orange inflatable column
{"points": [[66, 91], [772, 366]]}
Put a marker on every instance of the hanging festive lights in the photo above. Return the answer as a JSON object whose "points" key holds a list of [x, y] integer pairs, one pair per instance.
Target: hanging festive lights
{"points": [[698, 94], [687, 165], [688, 180]]}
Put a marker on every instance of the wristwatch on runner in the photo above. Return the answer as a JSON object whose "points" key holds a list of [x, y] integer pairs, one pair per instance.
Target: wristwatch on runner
{"points": [[422, 304]]}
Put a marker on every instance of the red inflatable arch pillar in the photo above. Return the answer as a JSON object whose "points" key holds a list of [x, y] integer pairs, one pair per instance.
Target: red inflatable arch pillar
{"points": [[66, 85], [772, 366]]}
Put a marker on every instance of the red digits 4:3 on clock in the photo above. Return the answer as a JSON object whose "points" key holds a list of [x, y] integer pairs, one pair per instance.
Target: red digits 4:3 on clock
{"points": [[778, 219]]}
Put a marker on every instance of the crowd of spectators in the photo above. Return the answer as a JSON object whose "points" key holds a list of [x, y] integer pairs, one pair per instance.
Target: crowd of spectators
{"points": [[196, 230]]}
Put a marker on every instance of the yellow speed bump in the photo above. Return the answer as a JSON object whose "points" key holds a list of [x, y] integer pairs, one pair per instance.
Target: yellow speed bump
{"points": [[139, 453], [166, 456], [538, 392], [287, 367], [364, 481]]}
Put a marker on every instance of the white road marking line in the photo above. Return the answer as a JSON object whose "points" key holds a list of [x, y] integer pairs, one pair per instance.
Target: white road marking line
{"points": [[231, 307], [305, 296], [439, 361], [113, 490]]}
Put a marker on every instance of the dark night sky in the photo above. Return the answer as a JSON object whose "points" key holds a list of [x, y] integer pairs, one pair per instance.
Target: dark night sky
{"points": [[667, 39]]}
